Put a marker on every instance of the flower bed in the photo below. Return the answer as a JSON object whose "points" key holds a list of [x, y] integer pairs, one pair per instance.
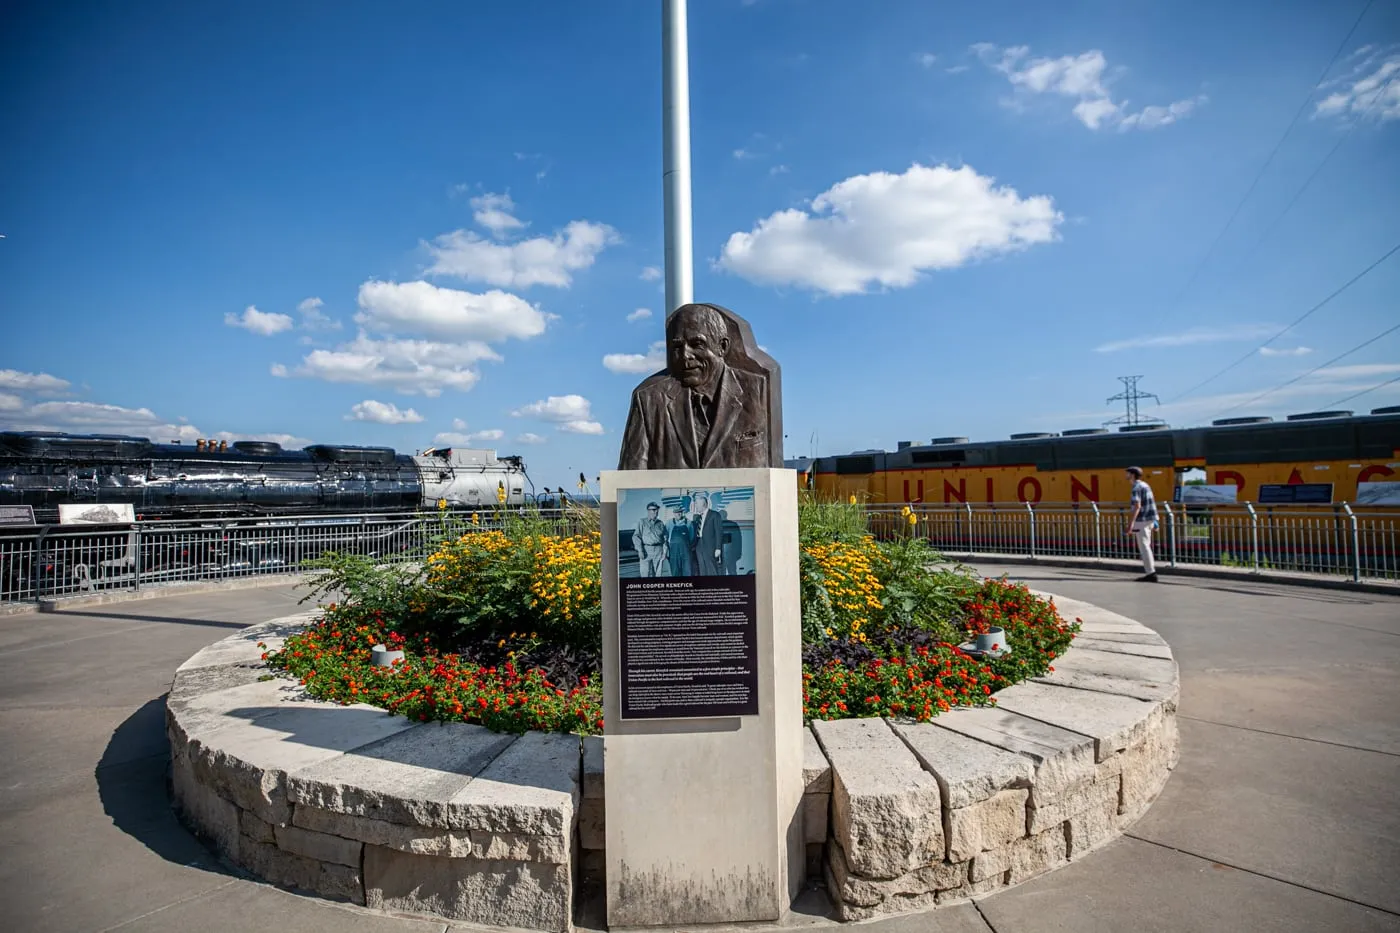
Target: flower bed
{"points": [[503, 628]]}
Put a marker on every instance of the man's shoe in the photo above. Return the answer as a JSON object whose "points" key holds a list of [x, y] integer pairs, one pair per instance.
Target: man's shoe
{"points": [[1150, 578]]}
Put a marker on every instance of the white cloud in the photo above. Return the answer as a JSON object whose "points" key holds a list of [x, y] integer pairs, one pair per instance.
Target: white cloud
{"points": [[266, 323], [1371, 90], [382, 413], [1082, 77], [458, 424], [288, 441], [490, 434], [10, 402], [494, 212], [529, 437], [741, 154], [640, 314], [95, 418], [410, 366], [957, 69], [778, 170], [421, 307], [884, 229], [572, 413], [650, 274], [278, 370], [1190, 337], [451, 439], [31, 382], [1291, 351], [650, 362], [927, 59], [313, 318], [536, 261]]}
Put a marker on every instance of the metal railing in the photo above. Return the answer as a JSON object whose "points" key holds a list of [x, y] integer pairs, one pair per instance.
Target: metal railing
{"points": [[1328, 541], [51, 561]]}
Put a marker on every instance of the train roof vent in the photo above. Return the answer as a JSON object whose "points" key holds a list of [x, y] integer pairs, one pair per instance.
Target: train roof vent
{"points": [[1084, 432], [1248, 419], [1032, 435], [940, 441], [1319, 415], [904, 445], [1135, 428], [258, 448], [1387, 410], [343, 454]]}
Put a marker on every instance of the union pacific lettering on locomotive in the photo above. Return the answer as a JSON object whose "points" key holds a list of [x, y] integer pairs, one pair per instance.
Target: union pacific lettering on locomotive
{"points": [[46, 470], [1327, 457]]}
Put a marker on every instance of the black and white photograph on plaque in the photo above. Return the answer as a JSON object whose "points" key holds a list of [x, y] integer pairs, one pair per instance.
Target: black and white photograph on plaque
{"points": [[685, 532]]}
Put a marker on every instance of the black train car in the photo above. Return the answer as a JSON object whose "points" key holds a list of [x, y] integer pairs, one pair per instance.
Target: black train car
{"points": [[209, 479]]}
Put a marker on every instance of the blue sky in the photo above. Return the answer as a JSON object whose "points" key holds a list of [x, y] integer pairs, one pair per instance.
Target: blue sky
{"points": [[376, 224]]}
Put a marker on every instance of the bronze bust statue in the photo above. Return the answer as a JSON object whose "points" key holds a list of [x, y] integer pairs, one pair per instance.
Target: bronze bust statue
{"points": [[718, 402]]}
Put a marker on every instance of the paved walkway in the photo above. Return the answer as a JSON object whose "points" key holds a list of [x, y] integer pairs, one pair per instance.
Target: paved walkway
{"points": [[1283, 815]]}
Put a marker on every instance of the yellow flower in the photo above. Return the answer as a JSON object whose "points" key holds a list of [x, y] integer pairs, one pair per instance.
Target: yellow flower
{"points": [[913, 519], [853, 500]]}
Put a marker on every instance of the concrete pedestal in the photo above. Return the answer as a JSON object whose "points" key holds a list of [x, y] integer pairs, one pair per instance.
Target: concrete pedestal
{"points": [[704, 815]]}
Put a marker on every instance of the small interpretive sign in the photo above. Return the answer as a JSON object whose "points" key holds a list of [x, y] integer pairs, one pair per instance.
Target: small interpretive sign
{"points": [[16, 514]]}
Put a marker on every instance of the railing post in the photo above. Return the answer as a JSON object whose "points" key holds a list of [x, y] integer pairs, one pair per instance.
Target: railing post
{"points": [[136, 557], [968, 506], [1355, 545], [1171, 533], [1098, 533], [1031, 512], [1253, 534]]}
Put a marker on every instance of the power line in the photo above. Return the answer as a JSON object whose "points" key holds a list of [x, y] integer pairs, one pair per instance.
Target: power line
{"points": [[1269, 161], [1349, 283], [1315, 172], [1305, 375], [1379, 385]]}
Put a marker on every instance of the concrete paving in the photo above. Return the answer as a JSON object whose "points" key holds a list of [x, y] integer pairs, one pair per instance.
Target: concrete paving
{"points": [[1284, 813]]}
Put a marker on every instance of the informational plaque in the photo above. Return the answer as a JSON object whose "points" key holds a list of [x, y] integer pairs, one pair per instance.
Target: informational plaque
{"points": [[16, 514], [688, 626]]}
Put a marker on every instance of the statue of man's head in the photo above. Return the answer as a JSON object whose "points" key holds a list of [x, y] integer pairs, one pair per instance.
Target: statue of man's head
{"points": [[697, 342]]}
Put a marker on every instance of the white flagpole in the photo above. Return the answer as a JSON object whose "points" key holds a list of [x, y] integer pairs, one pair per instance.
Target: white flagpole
{"points": [[675, 114]]}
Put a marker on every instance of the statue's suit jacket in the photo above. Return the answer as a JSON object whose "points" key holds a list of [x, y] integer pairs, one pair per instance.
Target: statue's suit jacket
{"points": [[661, 431]]}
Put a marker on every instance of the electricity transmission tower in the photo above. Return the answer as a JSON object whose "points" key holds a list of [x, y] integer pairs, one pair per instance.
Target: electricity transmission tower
{"points": [[1129, 397]]}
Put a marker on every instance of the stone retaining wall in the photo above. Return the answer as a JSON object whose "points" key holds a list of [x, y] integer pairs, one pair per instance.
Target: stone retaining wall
{"points": [[450, 819]]}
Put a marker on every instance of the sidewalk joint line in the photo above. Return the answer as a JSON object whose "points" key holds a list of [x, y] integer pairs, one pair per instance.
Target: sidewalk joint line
{"points": [[1264, 874], [976, 905], [1286, 735], [183, 900]]}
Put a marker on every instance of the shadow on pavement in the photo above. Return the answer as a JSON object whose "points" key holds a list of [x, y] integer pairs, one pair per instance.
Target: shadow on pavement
{"points": [[175, 620], [134, 789]]}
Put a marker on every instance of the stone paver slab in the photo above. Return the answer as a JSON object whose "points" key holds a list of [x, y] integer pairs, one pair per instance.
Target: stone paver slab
{"points": [[816, 770], [1114, 722], [1123, 647], [1103, 683], [1062, 757], [242, 648], [593, 778], [1117, 664], [531, 788], [967, 770], [407, 778]]}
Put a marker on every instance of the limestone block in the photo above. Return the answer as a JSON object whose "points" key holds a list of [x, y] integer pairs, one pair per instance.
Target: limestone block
{"points": [[972, 889], [424, 840], [532, 788], [967, 770], [1093, 827], [816, 809], [204, 811], [1117, 664], [256, 829], [854, 891], [1103, 683], [264, 732], [1044, 813], [593, 766], [270, 863], [886, 809], [987, 824], [591, 823], [242, 647], [1024, 858], [319, 846], [816, 770], [1062, 758], [197, 682], [1090, 640], [1091, 617], [1112, 721], [1145, 769], [515, 894], [1133, 635], [408, 777]]}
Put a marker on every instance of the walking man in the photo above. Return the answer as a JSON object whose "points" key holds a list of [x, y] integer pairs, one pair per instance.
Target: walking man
{"points": [[650, 541], [1142, 518]]}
